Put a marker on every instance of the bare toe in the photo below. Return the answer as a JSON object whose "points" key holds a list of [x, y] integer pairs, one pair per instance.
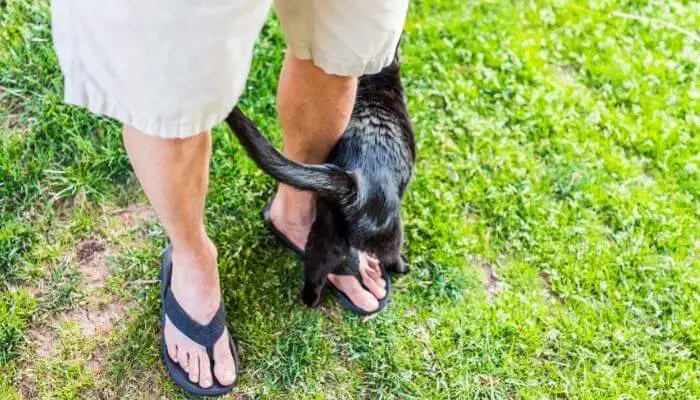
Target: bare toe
{"points": [[224, 366], [381, 282], [172, 350], [182, 358], [193, 366], [205, 379], [372, 275], [356, 293], [372, 285], [371, 258]]}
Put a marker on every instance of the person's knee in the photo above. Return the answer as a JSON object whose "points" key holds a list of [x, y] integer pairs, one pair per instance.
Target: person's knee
{"points": [[133, 133], [182, 148], [309, 69]]}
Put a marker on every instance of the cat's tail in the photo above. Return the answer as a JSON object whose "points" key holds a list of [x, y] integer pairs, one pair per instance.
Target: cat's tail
{"points": [[325, 179]]}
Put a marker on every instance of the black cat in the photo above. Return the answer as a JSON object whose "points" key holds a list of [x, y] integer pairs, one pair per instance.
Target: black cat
{"points": [[360, 187]]}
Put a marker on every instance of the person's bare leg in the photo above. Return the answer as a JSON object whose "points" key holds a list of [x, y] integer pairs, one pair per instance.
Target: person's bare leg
{"points": [[314, 109], [174, 175]]}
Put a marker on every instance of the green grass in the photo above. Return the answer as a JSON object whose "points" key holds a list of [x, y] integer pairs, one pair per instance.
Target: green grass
{"points": [[557, 139]]}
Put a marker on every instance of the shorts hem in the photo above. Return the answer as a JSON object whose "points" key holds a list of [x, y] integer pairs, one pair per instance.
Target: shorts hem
{"points": [[304, 51], [95, 102]]}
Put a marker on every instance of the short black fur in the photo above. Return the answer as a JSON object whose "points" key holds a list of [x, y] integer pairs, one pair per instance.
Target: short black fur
{"points": [[359, 188]]}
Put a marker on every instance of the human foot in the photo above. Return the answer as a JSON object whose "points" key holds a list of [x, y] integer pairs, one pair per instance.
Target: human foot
{"points": [[292, 212], [195, 286]]}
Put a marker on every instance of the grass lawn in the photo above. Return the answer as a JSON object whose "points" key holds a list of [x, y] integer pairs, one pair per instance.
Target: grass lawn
{"points": [[553, 225]]}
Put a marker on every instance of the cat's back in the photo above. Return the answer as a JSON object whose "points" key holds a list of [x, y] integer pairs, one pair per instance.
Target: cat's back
{"points": [[378, 142], [379, 132]]}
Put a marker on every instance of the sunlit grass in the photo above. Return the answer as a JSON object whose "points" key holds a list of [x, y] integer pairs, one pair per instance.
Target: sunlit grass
{"points": [[558, 144]]}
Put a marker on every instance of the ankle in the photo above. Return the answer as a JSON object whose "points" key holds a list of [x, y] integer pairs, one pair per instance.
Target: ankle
{"points": [[199, 253], [293, 206], [195, 280]]}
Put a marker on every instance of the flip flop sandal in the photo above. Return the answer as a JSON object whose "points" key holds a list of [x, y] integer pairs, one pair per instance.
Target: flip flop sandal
{"points": [[342, 297], [205, 335]]}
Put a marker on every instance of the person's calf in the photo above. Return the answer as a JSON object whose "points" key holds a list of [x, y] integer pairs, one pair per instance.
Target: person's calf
{"points": [[314, 109]]}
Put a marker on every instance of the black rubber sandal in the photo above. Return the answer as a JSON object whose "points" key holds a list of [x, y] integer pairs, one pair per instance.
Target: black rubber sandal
{"points": [[205, 335], [342, 297]]}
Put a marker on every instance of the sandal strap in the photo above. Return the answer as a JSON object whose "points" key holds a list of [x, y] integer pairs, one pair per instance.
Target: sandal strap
{"points": [[205, 335]]}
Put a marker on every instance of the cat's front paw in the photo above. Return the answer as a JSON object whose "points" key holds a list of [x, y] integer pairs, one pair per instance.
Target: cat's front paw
{"points": [[311, 295]]}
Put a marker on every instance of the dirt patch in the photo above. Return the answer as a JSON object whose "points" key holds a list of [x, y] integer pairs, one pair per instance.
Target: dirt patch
{"points": [[35, 292], [27, 385], [94, 318], [133, 215], [138, 216], [94, 321], [89, 249], [91, 258], [96, 312], [41, 339], [92, 262], [97, 362], [11, 110], [492, 283]]}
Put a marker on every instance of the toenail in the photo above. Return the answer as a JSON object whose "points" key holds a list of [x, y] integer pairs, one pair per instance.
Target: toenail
{"points": [[206, 382], [228, 375]]}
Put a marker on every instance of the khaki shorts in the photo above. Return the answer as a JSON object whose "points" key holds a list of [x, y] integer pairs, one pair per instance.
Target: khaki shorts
{"points": [[174, 68]]}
